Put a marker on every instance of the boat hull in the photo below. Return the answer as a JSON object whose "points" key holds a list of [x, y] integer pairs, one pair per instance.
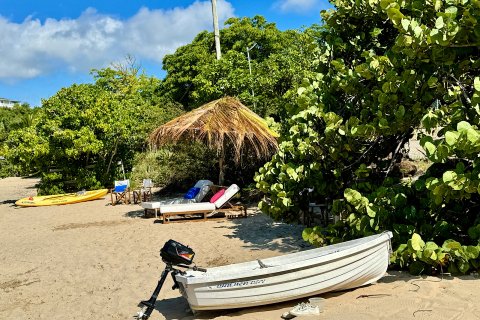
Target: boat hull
{"points": [[59, 199], [338, 267]]}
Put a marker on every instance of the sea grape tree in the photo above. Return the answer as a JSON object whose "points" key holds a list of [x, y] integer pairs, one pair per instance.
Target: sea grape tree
{"points": [[388, 68], [278, 61], [82, 131]]}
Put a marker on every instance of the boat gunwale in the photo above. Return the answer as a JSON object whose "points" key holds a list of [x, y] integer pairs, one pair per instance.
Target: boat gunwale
{"points": [[377, 253], [197, 277]]}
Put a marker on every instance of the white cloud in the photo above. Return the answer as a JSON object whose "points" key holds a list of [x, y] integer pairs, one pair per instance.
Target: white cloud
{"points": [[94, 40], [298, 6]]}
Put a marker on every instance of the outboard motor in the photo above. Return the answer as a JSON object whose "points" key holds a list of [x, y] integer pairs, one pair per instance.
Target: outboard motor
{"points": [[174, 254]]}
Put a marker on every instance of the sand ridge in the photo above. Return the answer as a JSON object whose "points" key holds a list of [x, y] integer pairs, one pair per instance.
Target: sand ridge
{"points": [[92, 260]]}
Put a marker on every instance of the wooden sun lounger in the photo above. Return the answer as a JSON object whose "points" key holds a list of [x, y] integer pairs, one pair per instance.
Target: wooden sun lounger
{"points": [[204, 214], [205, 209]]}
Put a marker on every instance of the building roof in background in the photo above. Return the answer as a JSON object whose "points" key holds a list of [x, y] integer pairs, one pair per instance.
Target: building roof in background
{"points": [[4, 102]]}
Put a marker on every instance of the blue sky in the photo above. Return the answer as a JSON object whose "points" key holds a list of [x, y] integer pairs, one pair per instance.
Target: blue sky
{"points": [[47, 45]]}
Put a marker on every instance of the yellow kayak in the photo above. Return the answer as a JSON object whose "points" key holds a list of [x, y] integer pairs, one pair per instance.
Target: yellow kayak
{"points": [[65, 198]]}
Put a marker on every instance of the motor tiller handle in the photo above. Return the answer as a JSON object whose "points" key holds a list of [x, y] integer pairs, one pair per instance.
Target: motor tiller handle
{"points": [[199, 269]]}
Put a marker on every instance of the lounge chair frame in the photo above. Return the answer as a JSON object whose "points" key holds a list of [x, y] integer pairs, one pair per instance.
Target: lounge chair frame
{"points": [[205, 210], [204, 214], [205, 185]]}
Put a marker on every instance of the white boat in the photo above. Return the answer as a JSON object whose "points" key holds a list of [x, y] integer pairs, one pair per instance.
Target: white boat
{"points": [[341, 266]]}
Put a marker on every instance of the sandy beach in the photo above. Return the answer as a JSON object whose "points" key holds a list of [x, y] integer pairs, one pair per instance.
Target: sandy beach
{"points": [[92, 260]]}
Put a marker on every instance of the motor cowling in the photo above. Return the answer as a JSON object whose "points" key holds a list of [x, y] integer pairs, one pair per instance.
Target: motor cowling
{"points": [[175, 253]]}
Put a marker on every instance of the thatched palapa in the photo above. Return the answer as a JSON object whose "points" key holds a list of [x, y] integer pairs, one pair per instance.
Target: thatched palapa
{"points": [[219, 123]]}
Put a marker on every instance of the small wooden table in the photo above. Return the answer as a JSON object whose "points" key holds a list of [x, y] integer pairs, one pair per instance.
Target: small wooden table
{"points": [[142, 195]]}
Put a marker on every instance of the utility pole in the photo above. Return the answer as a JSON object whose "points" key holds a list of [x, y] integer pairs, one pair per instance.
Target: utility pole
{"points": [[250, 69], [216, 32]]}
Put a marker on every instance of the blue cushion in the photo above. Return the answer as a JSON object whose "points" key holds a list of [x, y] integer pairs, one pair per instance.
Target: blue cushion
{"points": [[191, 193], [120, 188]]}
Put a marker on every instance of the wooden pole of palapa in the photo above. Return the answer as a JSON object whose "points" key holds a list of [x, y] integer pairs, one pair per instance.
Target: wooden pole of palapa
{"points": [[216, 32], [221, 167]]}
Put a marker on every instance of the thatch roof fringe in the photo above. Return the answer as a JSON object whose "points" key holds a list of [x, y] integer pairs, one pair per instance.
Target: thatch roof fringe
{"points": [[217, 122]]}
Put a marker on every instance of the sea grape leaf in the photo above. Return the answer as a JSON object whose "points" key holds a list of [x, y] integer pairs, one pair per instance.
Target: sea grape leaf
{"points": [[463, 126], [432, 82], [476, 83], [475, 264], [417, 242], [395, 15], [449, 176], [417, 31], [460, 167], [450, 245], [472, 252], [451, 137], [370, 212], [384, 4], [463, 266], [416, 268], [420, 184], [429, 147], [453, 269], [400, 113], [352, 196], [451, 11], [431, 245], [474, 232], [429, 251], [472, 135], [442, 257], [439, 23]]}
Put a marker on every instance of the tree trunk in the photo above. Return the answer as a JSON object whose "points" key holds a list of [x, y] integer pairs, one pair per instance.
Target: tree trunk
{"points": [[216, 32], [221, 167]]}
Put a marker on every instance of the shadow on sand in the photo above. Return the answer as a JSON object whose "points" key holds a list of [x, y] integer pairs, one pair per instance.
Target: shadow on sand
{"points": [[136, 214], [12, 202], [178, 308], [259, 232]]}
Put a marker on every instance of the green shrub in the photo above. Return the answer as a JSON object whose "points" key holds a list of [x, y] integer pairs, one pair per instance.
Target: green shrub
{"points": [[176, 166], [409, 65], [84, 130], [51, 183]]}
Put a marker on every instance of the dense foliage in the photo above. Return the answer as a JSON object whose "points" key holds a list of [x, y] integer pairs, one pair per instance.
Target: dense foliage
{"points": [[389, 67], [15, 118], [82, 131], [279, 61], [175, 167]]}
